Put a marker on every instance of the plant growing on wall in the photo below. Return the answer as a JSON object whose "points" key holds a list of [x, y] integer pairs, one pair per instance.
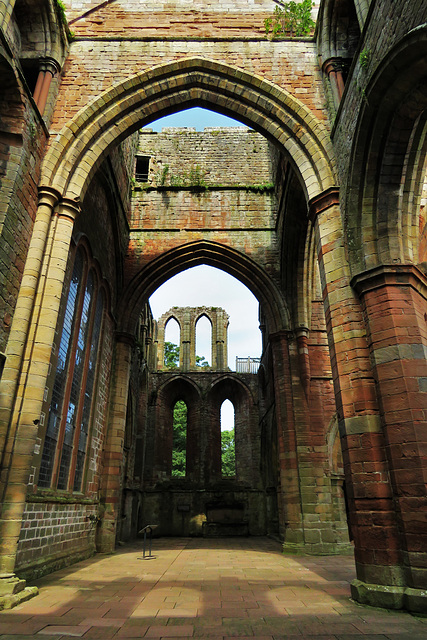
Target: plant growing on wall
{"points": [[60, 8], [291, 19]]}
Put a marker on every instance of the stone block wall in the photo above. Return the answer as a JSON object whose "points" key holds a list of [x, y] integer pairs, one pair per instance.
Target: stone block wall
{"points": [[231, 156], [292, 65], [54, 535], [185, 505], [173, 19], [228, 198], [22, 143]]}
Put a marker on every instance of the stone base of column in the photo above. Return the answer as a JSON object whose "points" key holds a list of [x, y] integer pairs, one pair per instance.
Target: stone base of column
{"points": [[389, 597], [13, 591], [320, 539], [318, 549]]}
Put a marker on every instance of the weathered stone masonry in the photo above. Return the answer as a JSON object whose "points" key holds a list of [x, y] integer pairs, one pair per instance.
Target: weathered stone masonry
{"points": [[335, 253]]}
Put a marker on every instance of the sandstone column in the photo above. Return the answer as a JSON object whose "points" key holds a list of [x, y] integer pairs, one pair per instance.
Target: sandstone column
{"points": [[394, 299], [289, 499], [113, 450], [376, 537], [28, 359]]}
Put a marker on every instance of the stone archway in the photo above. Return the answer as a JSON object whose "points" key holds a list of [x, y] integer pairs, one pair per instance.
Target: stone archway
{"points": [[387, 174], [215, 255], [383, 212], [72, 161], [118, 112]]}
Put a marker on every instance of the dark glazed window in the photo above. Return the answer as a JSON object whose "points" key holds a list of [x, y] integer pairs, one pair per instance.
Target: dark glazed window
{"points": [[73, 390]]}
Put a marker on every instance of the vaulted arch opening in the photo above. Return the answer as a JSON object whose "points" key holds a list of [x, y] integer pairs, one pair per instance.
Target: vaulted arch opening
{"points": [[196, 82], [203, 329], [385, 220]]}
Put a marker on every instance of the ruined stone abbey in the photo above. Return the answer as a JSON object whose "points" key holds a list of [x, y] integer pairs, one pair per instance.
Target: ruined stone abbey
{"points": [[316, 204]]}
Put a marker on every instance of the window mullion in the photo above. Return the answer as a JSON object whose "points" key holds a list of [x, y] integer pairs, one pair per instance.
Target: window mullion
{"points": [[70, 376], [80, 405]]}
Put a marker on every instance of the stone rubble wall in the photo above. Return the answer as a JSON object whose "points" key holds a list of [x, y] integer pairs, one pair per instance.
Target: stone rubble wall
{"points": [[233, 156]]}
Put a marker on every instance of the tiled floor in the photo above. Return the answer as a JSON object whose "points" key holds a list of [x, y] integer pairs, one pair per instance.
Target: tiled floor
{"points": [[203, 588]]}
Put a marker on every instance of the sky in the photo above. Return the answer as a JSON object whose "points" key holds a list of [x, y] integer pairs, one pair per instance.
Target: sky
{"points": [[196, 117], [207, 286]]}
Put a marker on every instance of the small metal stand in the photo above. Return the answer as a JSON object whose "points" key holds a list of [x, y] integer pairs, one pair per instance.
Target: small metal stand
{"points": [[148, 529]]}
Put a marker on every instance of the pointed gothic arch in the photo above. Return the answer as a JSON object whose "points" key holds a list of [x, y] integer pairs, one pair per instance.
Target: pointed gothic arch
{"points": [[389, 160], [212, 254], [111, 117]]}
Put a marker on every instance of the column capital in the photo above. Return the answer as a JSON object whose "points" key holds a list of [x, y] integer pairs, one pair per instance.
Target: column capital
{"points": [[301, 332], [68, 208], [50, 64], [48, 196], [286, 334], [125, 338], [323, 201], [332, 64], [387, 275], [335, 63]]}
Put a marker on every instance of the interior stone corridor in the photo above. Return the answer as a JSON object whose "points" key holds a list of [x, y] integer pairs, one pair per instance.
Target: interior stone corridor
{"points": [[218, 589], [317, 205]]}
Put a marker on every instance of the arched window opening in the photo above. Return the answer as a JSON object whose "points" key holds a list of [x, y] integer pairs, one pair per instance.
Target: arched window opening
{"points": [[179, 441], [69, 412], [203, 342], [172, 342], [208, 286], [228, 448]]}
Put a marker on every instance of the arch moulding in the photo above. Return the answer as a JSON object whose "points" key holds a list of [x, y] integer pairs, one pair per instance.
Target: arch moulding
{"points": [[82, 144], [212, 254]]}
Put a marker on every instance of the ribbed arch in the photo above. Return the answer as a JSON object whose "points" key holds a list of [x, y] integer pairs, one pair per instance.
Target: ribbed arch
{"points": [[212, 254], [179, 387], [230, 388], [339, 30], [82, 144], [388, 160]]}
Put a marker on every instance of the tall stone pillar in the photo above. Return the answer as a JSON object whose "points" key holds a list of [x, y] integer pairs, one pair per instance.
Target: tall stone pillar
{"points": [[114, 441], [289, 499], [219, 339], [373, 519], [160, 344], [311, 523], [394, 299], [27, 365], [185, 346]]}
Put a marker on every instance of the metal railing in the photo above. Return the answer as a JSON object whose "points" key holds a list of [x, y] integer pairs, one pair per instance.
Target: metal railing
{"points": [[247, 365]]}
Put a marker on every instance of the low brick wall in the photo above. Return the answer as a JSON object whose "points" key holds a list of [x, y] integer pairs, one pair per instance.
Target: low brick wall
{"points": [[54, 535]]}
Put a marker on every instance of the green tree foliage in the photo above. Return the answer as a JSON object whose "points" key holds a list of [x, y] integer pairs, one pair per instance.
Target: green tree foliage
{"points": [[291, 19], [202, 362], [171, 355], [228, 453], [179, 446]]}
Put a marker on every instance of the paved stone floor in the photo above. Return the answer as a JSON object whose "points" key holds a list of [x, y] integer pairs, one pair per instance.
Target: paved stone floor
{"points": [[200, 588]]}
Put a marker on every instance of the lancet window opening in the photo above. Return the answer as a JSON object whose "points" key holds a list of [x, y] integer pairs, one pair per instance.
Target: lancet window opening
{"points": [[179, 439], [172, 344], [203, 341], [228, 439]]}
